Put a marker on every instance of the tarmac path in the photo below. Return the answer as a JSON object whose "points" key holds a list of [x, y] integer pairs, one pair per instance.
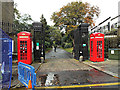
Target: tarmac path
{"points": [[61, 69], [59, 54]]}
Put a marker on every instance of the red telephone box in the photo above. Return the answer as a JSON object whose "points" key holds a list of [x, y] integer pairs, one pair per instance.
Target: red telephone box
{"points": [[97, 47], [24, 47]]}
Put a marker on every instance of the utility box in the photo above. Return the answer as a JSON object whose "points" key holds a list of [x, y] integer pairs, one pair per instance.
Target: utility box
{"points": [[97, 47], [24, 47], [114, 53]]}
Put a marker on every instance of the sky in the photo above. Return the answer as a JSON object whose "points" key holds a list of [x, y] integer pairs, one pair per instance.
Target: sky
{"points": [[46, 7]]}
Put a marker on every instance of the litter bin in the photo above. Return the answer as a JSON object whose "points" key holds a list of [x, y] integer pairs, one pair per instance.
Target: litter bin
{"points": [[114, 53]]}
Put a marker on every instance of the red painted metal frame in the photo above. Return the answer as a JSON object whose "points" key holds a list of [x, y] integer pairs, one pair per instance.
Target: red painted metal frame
{"points": [[26, 55], [97, 49]]}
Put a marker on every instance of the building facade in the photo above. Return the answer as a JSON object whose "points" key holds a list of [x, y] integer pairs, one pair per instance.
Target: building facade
{"points": [[119, 12], [6, 15], [6, 20]]}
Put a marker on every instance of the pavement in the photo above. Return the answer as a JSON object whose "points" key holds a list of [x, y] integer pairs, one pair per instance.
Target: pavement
{"points": [[65, 70], [111, 67]]}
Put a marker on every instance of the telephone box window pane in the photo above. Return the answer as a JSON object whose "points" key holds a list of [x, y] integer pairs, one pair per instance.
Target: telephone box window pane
{"points": [[91, 48], [25, 41], [99, 49], [26, 48], [21, 45]]}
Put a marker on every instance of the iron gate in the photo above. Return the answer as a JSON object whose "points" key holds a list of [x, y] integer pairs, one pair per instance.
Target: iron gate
{"points": [[81, 41], [39, 41]]}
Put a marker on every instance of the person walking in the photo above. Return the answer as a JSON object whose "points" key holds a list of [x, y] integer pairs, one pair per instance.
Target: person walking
{"points": [[55, 46]]}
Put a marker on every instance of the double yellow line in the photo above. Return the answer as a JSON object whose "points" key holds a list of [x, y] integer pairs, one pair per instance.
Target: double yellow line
{"points": [[79, 86]]}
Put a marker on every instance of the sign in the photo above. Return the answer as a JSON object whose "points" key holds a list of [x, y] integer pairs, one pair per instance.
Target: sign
{"points": [[92, 37], [84, 45], [23, 36], [98, 37], [112, 51], [98, 34], [37, 44], [37, 47]]}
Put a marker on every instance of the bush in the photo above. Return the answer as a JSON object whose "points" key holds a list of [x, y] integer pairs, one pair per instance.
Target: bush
{"points": [[47, 44], [67, 45]]}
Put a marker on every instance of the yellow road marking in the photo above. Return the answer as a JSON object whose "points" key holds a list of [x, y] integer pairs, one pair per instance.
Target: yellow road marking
{"points": [[78, 86]]}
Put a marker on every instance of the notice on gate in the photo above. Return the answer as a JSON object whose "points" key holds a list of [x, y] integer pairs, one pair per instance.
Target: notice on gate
{"points": [[112, 51], [37, 47]]}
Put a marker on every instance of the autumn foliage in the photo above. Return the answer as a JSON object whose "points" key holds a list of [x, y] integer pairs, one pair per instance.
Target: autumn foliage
{"points": [[74, 13]]}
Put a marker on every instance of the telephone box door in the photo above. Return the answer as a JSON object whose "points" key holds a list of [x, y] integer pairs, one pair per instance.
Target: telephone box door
{"points": [[97, 47], [24, 47]]}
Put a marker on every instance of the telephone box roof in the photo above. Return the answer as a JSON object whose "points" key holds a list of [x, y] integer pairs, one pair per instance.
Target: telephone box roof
{"points": [[96, 34], [23, 33]]}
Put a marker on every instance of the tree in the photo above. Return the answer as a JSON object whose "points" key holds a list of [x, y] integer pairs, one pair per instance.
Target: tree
{"points": [[71, 15], [46, 28], [43, 21], [21, 21], [55, 35], [51, 33], [66, 41]]}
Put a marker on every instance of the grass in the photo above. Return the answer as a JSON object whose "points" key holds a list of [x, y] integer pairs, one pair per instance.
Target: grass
{"points": [[68, 49]]}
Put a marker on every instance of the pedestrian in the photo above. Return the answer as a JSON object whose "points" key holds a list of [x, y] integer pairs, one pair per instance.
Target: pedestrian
{"points": [[55, 46]]}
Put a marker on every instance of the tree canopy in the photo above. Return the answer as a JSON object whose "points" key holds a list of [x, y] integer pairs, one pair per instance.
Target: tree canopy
{"points": [[21, 21], [75, 13]]}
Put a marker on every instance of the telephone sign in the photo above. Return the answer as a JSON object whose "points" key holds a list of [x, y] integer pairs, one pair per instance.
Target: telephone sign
{"points": [[37, 44], [24, 47], [84, 45], [97, 47]]}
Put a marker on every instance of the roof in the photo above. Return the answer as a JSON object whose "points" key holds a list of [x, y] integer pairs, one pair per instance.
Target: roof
{"points": [[3, 34], [97, 34], [24, 33]]}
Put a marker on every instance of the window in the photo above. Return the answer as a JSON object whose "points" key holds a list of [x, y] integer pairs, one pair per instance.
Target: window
{"points": [[91, 48], [99, 49]]}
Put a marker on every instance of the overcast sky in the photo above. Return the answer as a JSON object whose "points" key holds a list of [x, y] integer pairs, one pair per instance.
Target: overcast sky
{"points": [[46, 7]]}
